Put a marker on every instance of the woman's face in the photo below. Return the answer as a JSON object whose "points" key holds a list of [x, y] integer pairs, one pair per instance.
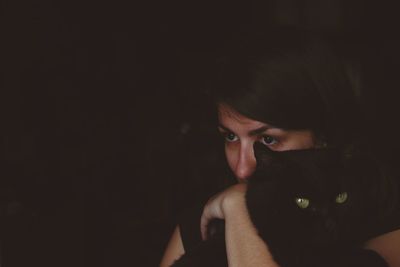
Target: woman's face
{"points": [[240, 133]]}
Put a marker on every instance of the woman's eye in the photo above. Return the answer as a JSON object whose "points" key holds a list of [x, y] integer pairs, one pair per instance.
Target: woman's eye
{"points": [[268, 140], [230, 137]]}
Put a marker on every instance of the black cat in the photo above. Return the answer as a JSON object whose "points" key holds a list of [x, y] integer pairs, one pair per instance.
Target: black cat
{"points": [[312, 208]]}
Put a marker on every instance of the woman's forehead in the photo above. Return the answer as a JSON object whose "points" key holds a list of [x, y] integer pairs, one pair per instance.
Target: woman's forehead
{"points": [[229, 117]]}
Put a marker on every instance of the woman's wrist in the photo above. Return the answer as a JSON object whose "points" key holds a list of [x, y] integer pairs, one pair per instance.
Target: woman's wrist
{"points": [[234, 203]]}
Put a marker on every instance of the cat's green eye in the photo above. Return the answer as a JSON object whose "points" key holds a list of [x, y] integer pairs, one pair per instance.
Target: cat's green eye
{"points": [[302, 202], [341, 198]]}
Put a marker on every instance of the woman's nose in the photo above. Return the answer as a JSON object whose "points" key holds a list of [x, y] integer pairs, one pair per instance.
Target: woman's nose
{"points": [[246, 163]]}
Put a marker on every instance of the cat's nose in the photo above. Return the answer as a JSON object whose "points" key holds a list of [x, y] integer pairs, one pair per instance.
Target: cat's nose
{"points": [[330, 224]]}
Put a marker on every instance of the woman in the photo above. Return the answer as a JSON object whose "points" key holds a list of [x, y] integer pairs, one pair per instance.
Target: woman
{"points": [[287, 90]]}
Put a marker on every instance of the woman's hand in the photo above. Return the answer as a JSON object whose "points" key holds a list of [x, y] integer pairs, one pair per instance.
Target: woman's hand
{"points": [[220, 205]]}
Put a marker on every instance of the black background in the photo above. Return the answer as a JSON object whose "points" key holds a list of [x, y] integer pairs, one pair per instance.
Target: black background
{"points": [[96, 104]]}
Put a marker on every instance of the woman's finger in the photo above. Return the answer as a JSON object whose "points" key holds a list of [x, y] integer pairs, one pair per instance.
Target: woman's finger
{"points": [[205, 219]]}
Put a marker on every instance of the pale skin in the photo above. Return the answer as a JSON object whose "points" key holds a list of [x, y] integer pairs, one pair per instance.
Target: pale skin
{"points": [[243, 245]]}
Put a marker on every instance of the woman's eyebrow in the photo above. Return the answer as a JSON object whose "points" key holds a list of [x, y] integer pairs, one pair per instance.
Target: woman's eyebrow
{"points": [[252, 132], [225, 128], [259, 130]]}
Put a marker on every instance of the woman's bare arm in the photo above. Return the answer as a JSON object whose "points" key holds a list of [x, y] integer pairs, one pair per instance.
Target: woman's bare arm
{"points": [[243, 244], [388, 246], [174, 249], [244, 247]]}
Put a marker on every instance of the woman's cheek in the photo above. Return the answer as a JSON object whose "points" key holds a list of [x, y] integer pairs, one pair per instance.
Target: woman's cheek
{"points": [[231, 154]]}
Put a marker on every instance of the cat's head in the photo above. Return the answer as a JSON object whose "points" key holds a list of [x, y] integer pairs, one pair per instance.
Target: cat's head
{"points": [[308, 195]]}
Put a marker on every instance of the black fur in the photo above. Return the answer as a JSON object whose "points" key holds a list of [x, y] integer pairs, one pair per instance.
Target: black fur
{"points": [[325, 233], [325, 229]]}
